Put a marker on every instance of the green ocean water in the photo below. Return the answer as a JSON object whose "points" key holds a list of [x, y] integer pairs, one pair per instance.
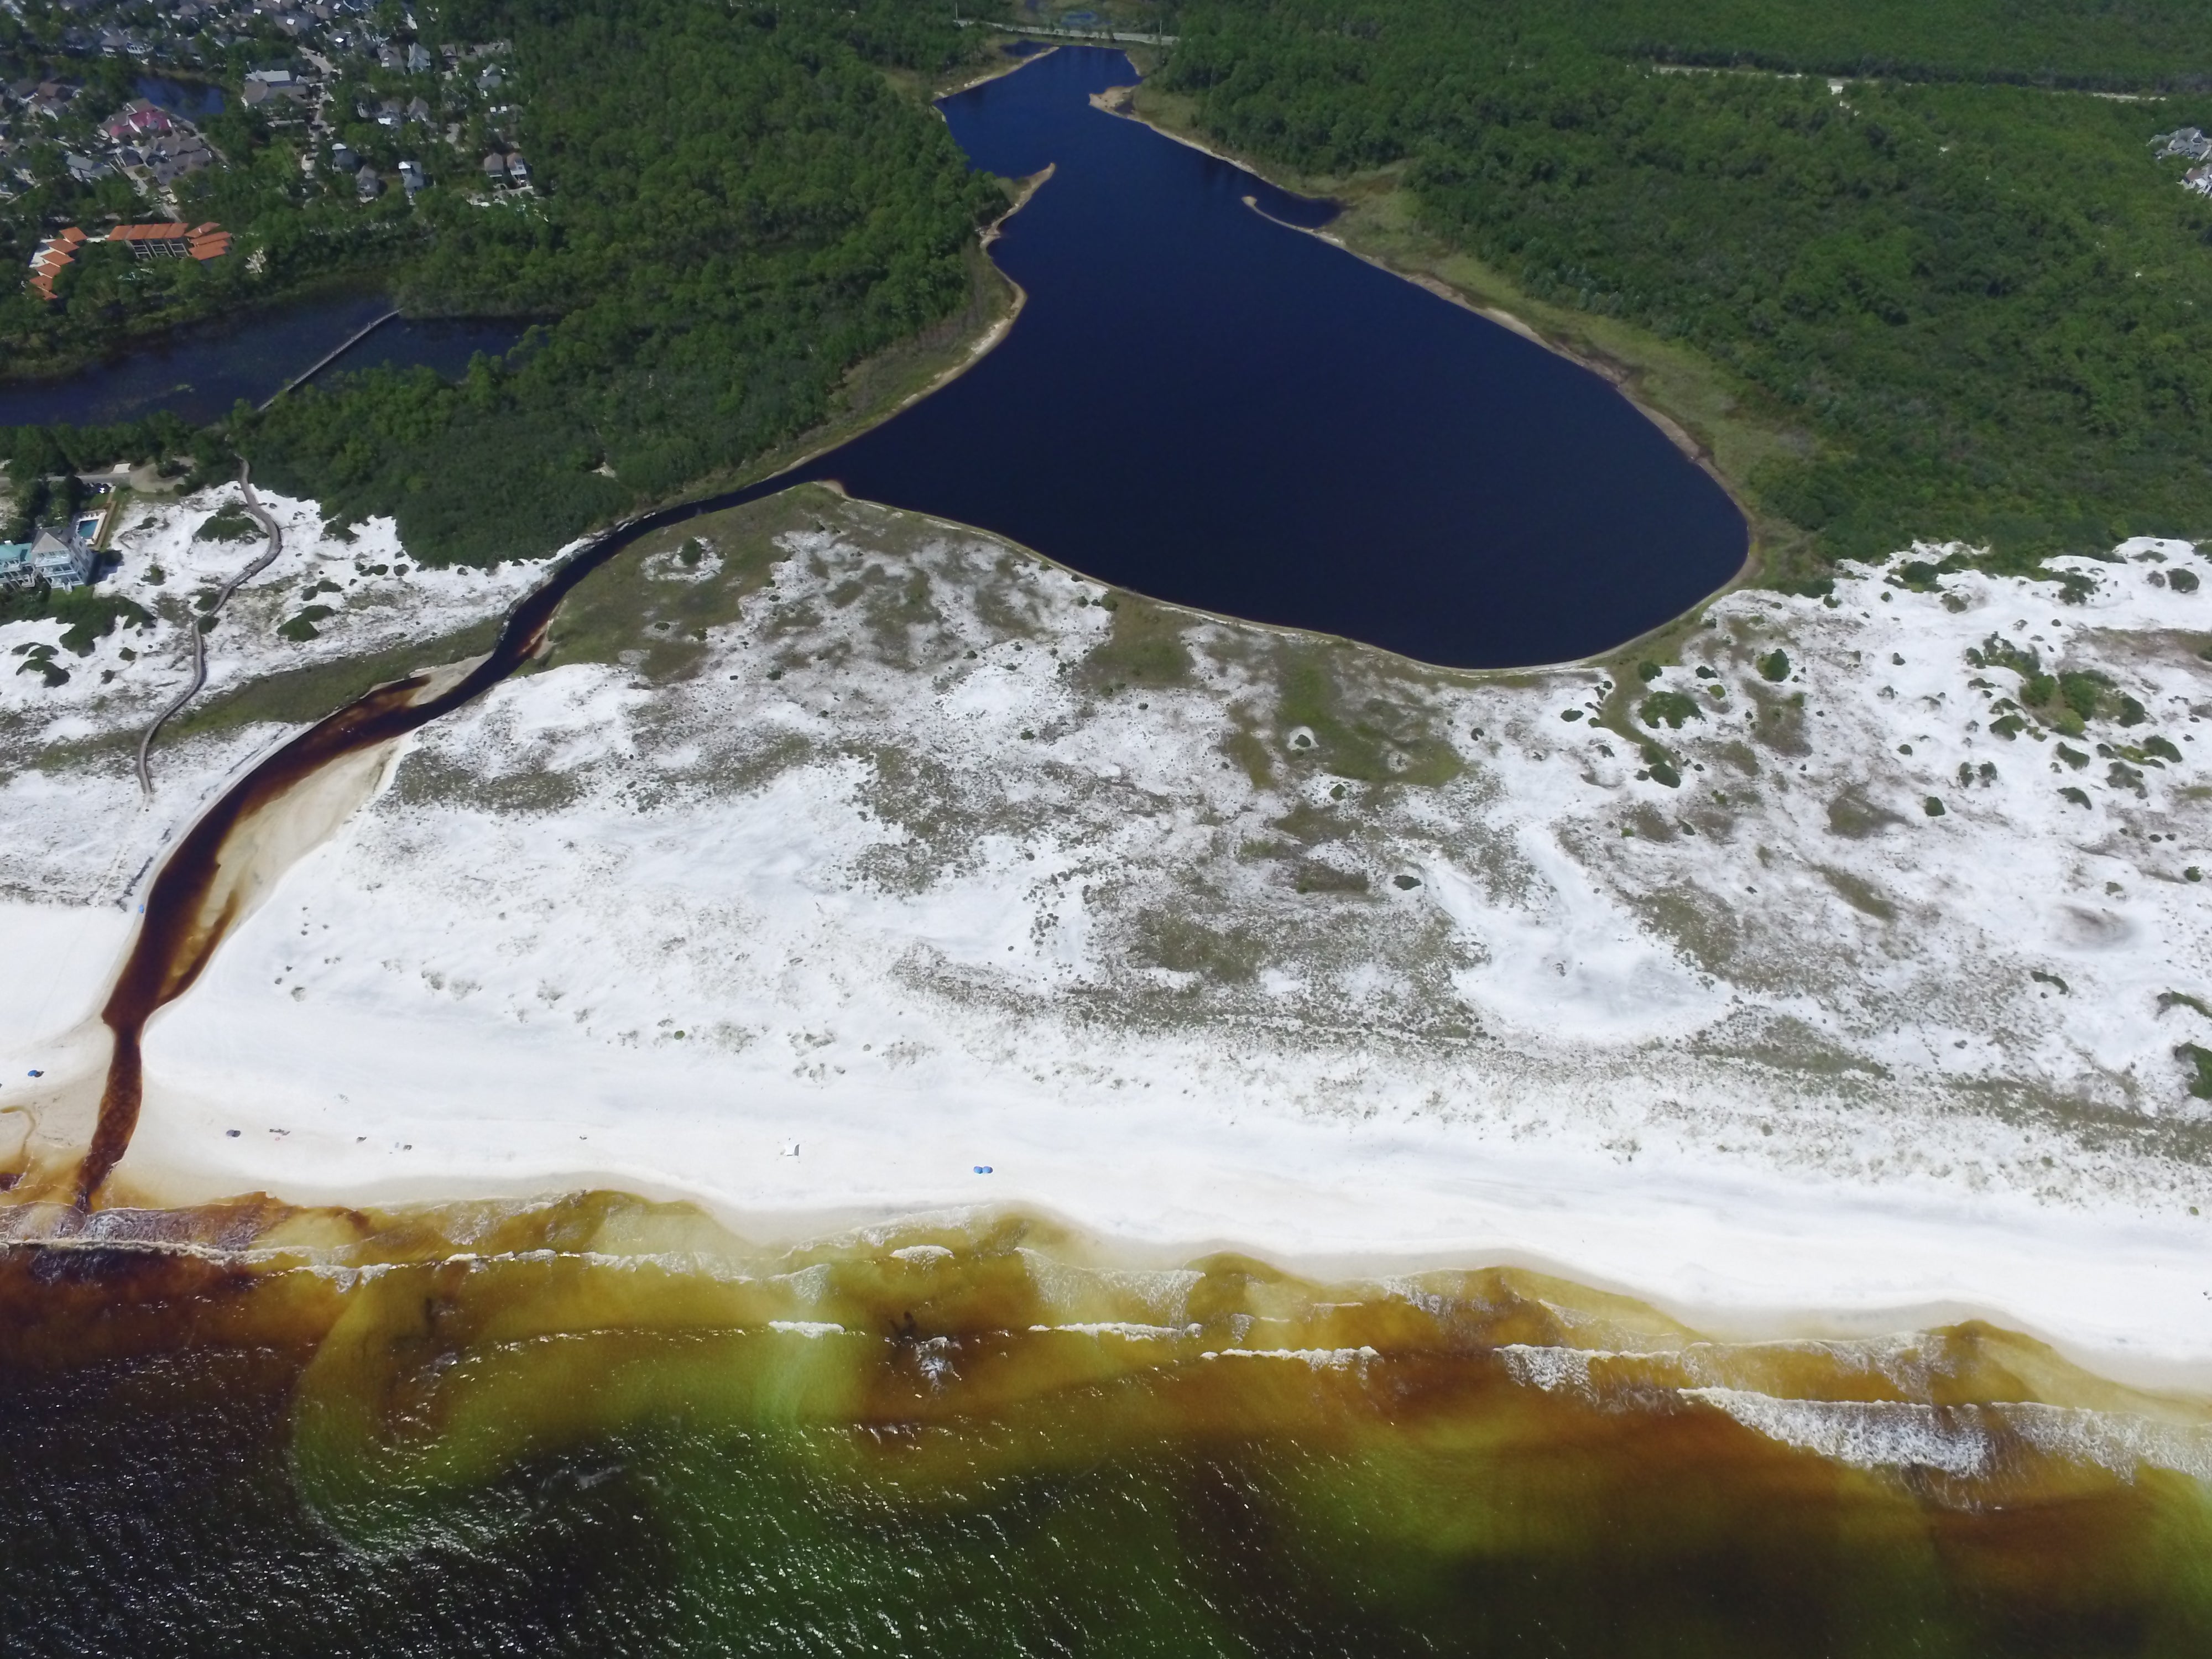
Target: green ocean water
{"points": [[560, 1450]]}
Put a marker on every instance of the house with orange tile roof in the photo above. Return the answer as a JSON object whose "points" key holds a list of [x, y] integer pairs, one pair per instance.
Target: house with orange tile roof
{"points": [[171, 241], [56, 252], [155, 241]]}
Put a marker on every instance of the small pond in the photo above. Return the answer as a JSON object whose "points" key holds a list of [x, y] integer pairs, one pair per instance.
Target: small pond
{"points": [[193, 99]]}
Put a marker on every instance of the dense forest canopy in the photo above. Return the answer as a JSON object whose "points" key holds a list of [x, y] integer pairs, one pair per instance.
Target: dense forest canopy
{"points": [[2112, 44], [738, 205], [1990, 307], [1973, 303]]}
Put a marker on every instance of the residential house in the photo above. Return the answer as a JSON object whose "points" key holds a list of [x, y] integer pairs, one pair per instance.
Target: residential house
{"points": [[411, 178], [62, 557], [263, 84], [174, 240], [171, 158], [518, 170], [139, 118], [56, 555], [56, 252], [495, 168], [367, 185]]}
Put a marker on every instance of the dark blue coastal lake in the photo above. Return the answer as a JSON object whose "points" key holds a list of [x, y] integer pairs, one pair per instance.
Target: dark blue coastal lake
{"points": [[201, 373], [1208, 406]]}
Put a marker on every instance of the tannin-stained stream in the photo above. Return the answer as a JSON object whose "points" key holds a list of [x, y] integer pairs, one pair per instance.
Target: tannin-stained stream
{"points": [[177, 939]]}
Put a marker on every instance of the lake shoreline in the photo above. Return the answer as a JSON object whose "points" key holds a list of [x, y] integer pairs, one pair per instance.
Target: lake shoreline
{"points": [[1623, 377], [32, 374], [199, 372], [1483, 502]]}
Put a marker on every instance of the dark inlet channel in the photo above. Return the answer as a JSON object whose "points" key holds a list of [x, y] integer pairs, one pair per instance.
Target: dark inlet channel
{"points": [[1209, 407]]}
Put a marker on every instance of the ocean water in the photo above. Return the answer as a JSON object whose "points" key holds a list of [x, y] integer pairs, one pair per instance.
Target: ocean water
{"points": [[607, 1427]]}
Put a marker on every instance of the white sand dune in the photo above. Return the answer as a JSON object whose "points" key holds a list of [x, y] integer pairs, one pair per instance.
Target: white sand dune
{"points": [[1220, 957]]}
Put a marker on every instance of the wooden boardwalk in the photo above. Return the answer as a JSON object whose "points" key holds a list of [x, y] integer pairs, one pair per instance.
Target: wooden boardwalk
{"points": [[327, 359]]}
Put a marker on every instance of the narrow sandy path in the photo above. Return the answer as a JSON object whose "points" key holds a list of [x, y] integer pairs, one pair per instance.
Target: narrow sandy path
{"points": [[200, 626]]}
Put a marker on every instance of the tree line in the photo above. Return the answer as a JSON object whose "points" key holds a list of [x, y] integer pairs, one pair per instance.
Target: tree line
{"points": [[1989, 306], [741, 204], [2107, 44], [44, 462]]}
